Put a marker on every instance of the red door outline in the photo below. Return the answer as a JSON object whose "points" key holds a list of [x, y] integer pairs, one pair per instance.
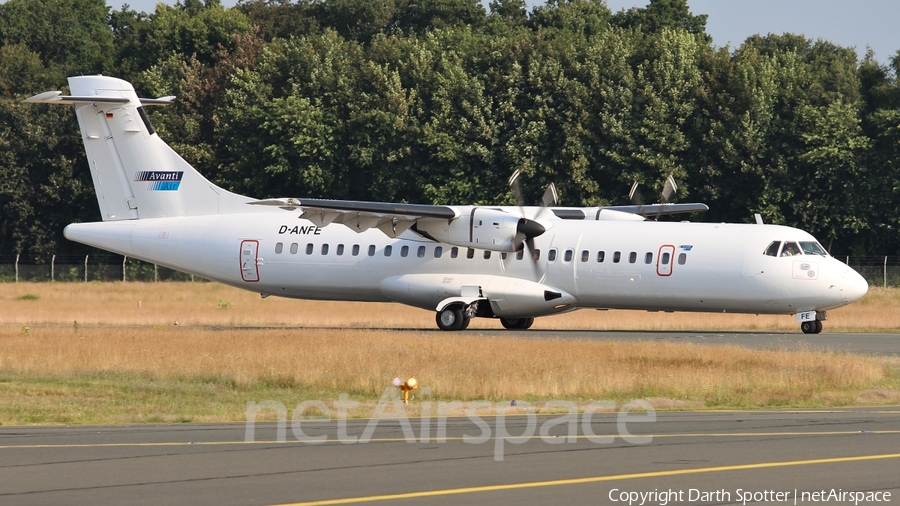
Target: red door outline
{"points": [[249, 265], [665, 269]]}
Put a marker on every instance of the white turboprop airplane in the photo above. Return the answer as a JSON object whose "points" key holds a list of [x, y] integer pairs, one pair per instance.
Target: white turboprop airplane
{"points": [[511, 263]]}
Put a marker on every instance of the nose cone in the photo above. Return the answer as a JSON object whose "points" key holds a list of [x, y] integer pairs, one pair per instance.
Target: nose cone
{"points": [[853, 286]]}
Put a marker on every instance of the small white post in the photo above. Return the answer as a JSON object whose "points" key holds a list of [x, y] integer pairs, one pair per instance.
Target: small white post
{"points": [[85, 267], [52, 268], [885, 272], [125, 258], [155, 273], [17, 267]]}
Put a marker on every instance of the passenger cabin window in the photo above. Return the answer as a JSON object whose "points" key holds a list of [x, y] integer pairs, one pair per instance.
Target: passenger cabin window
{"points": [[520, 254], [601, 256], [404, 251], [790, 249], [324, 249], [632, 257], [454, 252], [470, 253], [665, 258], [387, 250], [569, 255], [355, 250], [772, 249], [420, 252], [648, 258], [487, 254], [812, 248], [340, 250], [504, 255], [309, 248], [279, 247], [585, 255], [294, 248], [438, 251], [617, 256], [682, 258], [371, 250], [537, 255], [551, 255]]}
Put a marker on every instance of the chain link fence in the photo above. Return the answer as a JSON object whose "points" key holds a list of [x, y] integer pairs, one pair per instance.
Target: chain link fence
{"points": [[68, 268], [878, 271]]}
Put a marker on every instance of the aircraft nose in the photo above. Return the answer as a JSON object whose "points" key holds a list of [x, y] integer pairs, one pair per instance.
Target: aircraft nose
{"points": [[853, 286]]}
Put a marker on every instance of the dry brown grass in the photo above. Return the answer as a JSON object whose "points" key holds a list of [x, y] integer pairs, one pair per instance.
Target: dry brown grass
{"points": [[363, 362], [206, 304]]}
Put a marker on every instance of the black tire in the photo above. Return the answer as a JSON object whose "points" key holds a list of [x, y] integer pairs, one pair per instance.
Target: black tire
{"points": [[819, 326], [451, 318], [808, 327], [517, 323]]}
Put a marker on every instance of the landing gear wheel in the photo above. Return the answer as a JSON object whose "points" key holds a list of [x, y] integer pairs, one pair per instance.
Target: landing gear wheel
{"points": [[517, 323], [812, 327], [451, 318]]}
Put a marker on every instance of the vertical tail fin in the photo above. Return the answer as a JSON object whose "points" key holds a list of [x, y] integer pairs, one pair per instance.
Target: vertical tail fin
{"points": [[136, 175]]}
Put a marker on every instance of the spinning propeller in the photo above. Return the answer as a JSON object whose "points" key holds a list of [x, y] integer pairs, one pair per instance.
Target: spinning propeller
{"points": [[531, 227]]}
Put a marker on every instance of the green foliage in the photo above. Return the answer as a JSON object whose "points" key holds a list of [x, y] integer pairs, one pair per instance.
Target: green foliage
{"points": [[439, 101], [28, 296]]}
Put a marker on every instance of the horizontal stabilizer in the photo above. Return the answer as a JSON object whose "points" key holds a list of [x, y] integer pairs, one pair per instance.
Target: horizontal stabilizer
{"points": [[56, 97]]}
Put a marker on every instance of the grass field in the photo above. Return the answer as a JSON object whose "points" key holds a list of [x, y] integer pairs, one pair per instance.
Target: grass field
{"points": [[111, 353]]}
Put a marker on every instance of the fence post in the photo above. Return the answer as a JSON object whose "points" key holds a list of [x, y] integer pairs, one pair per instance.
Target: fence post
{"points": [[53, 268], [885, 272], [17, 267], [124, 258], [85, 267]]}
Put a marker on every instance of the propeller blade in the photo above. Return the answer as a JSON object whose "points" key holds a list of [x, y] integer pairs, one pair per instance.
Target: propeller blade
{"points": [[550, 197], [516, 186], [636, 197], [669, 190]]}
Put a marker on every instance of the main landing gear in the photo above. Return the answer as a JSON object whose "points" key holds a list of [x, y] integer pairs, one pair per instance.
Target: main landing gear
{"points": [[458, 316], [517, 323], [812, 327]]}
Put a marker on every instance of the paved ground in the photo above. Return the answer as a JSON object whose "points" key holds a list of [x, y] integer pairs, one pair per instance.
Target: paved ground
{"points": [[700, 457]]}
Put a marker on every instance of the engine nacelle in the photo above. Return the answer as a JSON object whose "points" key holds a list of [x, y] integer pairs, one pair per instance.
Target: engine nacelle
{"points": [[476, 227]]}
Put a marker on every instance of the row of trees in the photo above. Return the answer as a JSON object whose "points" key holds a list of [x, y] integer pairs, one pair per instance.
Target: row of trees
{"points": [[439, 101]]}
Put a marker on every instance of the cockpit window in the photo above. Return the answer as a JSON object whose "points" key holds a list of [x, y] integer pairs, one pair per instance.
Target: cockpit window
{"points": [[790, 249], [772, 250], [813, 248]]}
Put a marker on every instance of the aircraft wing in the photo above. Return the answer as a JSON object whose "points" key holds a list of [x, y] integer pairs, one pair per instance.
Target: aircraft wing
{"points": [[392, 219], [660, 209]]}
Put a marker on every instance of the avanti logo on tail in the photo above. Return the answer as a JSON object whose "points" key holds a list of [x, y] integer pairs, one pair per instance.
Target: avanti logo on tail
{"points": [[512, 263]]}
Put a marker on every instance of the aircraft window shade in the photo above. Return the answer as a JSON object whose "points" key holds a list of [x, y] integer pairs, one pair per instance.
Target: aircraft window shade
{"points": [[682, 258], [487, 254], [601, 256], [279, 247], [371, 250], [388, 250], [520, 254], [404, 251], [340, 250], [355, 250], [812, 248], [569, 255], [294, 248], [617, 256], [421, 252], [790, 249], [470, 253], [772, 249], [585, 255], [454, 252], [309, 248], [551, 255], [324, 249], [648, 258], [666, 257], [632, 257], [438, 251]]}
